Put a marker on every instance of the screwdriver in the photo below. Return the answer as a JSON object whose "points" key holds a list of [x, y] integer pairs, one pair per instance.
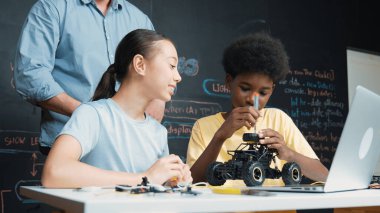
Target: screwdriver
{"points": [[255, 105]]}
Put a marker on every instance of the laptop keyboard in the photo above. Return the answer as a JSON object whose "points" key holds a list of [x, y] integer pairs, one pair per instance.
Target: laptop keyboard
{"points": [[375, 179]]}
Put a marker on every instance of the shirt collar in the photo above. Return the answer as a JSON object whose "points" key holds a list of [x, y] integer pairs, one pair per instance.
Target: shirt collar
{"points": [[115, 4], [86, 1]]}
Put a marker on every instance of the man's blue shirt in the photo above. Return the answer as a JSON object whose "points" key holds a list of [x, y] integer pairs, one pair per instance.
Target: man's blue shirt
{"points": [[66, 46]]}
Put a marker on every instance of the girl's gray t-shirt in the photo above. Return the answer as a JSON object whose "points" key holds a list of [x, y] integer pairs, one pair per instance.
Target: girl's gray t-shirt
{"points": [[111, 140]]}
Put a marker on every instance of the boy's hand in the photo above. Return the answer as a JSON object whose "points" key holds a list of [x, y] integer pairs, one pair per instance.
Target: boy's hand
{"points": [[275, 140], [238, 117]]}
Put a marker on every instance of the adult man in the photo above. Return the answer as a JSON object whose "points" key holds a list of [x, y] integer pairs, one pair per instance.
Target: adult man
{"points": [[64, 48]]}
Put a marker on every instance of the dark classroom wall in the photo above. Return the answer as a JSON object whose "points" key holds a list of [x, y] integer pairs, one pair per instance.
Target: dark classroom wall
{"points": [[314, 94]]}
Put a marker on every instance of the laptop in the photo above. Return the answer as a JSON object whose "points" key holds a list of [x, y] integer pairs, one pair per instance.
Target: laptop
{"points": [[377, 170], [358, 150]]}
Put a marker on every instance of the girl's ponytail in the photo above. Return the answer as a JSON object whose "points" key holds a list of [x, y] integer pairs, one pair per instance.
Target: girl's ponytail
{"points": [[106, 86]]}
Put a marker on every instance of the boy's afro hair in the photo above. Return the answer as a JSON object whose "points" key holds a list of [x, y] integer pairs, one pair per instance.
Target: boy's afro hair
{"points": [[256, 53]]}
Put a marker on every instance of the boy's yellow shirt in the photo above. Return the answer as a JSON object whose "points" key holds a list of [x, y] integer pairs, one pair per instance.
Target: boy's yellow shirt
{"points": [[272, 118]]}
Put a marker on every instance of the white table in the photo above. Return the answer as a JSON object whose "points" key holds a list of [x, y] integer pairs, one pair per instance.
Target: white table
{"points": [[107, 200]]}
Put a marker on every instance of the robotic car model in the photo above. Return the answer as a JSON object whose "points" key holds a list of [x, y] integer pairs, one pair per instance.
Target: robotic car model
{"points": [[252, 165]]}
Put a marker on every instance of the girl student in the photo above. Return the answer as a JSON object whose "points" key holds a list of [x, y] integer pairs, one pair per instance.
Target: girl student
{"points": [[111, 140]]}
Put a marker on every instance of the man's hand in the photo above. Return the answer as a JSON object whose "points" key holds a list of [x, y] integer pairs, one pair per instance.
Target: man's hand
{"points": [[62, 103]]}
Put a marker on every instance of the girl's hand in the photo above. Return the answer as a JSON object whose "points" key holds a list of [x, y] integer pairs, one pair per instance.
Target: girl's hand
{"points": [[174, 181], [187, 174], [275, 140], [165, 169], [237, 118]]}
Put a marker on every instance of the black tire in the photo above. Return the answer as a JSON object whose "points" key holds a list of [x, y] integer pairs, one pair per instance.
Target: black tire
{"points": [[253, 174], [213, 177], [291, 173]]}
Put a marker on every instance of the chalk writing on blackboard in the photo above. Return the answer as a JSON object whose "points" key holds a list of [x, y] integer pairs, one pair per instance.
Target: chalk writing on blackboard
{"points": [[315, 108], [15, 141], [25, 183], [189, 67], [36, 165], [190, 110], [178, 129], [12, 80], [180, 116], [2, 194], [213, 87]]}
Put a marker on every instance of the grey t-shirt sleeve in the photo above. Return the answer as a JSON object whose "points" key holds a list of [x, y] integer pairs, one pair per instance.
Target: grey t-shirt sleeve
{"points": [[84, 126]]}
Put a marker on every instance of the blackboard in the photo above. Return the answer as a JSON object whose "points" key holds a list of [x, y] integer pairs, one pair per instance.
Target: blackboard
{"points": [[314, 93], [20, 161]]}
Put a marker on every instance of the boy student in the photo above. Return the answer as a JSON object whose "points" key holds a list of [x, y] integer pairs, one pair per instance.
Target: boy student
{"points": [[111, 140], [253, 65]]}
